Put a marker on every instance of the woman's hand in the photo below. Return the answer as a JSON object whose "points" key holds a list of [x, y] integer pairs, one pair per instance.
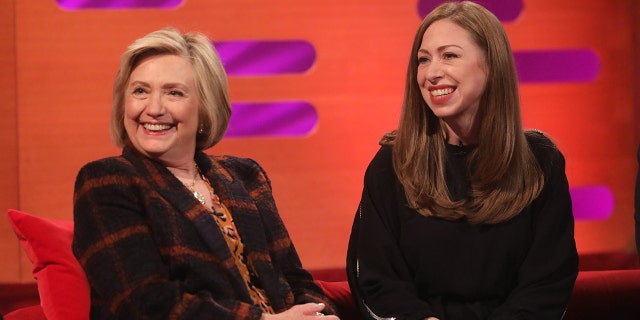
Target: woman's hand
{"points": [[302, 311]]}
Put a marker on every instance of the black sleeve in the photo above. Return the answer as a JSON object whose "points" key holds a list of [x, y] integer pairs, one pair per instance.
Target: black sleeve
{"points": [[548, 273], [284, 255], [379, 278]]}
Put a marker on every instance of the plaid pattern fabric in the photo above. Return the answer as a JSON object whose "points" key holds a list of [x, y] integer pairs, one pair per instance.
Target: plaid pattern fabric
{"points": [[152, 251]]}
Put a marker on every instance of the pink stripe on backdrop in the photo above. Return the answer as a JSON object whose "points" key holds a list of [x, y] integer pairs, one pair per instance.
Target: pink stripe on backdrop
{"points": [[118, 4], [558, 65], [272, 119], [592, 202], [505, 11], [266, 57]]}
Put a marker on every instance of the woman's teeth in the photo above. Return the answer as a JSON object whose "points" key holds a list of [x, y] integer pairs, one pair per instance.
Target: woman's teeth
{"points": [[441, 92], [156, 127]]}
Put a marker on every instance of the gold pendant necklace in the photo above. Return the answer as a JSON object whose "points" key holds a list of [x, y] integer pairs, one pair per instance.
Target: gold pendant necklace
{"points": [[192, 186]]}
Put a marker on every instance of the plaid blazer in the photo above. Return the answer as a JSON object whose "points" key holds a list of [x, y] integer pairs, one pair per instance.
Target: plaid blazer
{"points": [[150, 250]]}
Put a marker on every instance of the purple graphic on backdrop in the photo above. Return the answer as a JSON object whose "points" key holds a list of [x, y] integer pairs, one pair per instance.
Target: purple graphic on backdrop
{"points": [[571, 65], [269, 58], [274, 119], [592, 203], [259, 58], [505, 10], [118, 4]]}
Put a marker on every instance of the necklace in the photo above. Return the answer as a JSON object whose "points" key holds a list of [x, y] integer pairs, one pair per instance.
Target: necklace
{"points": [[192, 185], [215, 200], [216, 204]]}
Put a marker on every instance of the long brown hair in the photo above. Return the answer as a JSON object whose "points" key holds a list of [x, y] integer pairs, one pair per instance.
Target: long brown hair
{"points": [[505, 176]]}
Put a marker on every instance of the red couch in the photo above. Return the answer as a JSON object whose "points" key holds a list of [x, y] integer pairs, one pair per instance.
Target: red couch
{"points": [[608, 285], [602, 295]]}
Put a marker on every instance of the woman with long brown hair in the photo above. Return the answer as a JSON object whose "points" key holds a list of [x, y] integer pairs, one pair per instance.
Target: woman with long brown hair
{"points": [[464, 214]]}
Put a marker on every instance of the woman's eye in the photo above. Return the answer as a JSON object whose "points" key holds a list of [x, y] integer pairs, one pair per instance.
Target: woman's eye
{"points": [[448, 56], [176, 93], [138, 91], [423, 60]]}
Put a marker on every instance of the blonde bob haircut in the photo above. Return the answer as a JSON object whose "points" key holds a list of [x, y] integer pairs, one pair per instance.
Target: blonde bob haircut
{"points": [[504, 173], [214, 108]]}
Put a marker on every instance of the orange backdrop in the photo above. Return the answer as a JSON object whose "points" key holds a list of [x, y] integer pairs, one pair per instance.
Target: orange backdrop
{"points": [[62, 63]]}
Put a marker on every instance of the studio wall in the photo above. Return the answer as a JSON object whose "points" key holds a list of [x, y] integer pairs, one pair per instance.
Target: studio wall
{"points": [[313, 84], [10, 268]]}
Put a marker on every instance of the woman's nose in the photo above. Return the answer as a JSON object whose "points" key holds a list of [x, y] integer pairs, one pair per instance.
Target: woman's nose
{"points": [[434, 71], [155, 105]]}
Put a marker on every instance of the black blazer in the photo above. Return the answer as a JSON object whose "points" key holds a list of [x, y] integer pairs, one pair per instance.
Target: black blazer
{"points": [[152, 251]]}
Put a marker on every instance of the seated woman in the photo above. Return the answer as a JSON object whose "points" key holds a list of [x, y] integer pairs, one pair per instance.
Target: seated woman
{"points": [[464, 215], [165, 231]]}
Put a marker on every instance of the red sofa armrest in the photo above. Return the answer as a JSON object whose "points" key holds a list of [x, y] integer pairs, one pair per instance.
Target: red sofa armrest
{"points": [[340, 294], [612, 294], [26, 313], [597, 295], [601, 261]]}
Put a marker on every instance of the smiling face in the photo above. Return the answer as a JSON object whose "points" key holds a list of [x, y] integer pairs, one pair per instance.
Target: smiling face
{"points": [[161, 109], [452, 73]]}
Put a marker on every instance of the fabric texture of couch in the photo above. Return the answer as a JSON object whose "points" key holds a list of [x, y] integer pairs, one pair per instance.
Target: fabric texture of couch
{"points": [[64, 291]]}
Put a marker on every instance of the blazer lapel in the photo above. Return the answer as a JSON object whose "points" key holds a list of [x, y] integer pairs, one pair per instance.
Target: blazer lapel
{"points": [[234, 195], [174, 192]]}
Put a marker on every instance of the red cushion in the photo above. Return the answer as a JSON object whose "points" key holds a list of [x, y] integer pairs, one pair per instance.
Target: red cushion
{"points": [[26, 313], [340, 294], [62, 285], [613, 294], [617, 260]]}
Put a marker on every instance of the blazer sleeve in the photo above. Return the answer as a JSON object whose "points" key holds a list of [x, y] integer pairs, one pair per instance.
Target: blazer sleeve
{"points": [[380, 281], [281, 249], [122, 262], [547, 275]]}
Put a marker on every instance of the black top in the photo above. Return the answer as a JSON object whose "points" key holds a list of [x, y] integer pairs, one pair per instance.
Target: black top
{"points": [[404, 265]]}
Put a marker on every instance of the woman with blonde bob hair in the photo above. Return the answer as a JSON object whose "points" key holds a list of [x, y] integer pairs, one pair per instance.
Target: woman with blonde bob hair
{"points": [[464, 215], [211, 79], [165, 231]]}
